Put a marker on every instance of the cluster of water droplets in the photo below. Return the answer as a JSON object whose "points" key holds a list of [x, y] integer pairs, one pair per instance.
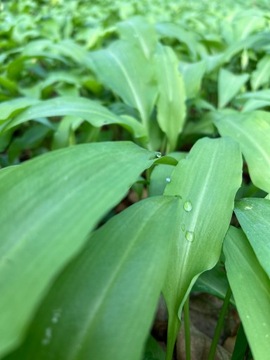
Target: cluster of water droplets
{"points": [[49, 330], [189, 235]]}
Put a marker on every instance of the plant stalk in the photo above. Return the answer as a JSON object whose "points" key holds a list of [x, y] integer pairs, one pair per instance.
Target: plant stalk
{"points": [[187, 329], [220, 324]]}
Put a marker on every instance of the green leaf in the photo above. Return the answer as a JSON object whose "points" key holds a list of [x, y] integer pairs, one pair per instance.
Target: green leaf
{"points": [[102, 305], [192, 75], [251, 290], [88, 110], [252, 131], [124, 68], [161, 174], [153, 350], [51, 204], [207, 181], [11, 107], [171, 106], [213, 282], [261, 75], [138, 32], [176, 31], [254, 217], [229, 85]]}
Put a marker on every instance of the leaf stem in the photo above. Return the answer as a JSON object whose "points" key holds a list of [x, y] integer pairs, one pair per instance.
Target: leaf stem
{"points": [[220, 324], [187, 329]]}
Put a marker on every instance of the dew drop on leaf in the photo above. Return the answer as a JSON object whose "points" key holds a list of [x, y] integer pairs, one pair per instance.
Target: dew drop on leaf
{"points": [[168, 179], [187, 206], [189, 235], [158, 154]]}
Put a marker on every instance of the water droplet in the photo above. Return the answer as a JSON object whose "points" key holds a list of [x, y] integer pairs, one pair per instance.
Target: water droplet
{"points": [[189, 235], [187, 206], [247, 316], [183, 227], [56, 316], [264, 324], [267, 336], [248, 207], [47, 337], [168, 179], [158, 154]]}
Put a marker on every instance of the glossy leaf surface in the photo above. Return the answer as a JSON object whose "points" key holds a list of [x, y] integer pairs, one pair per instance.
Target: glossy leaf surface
{"points": [[87, 109], [124, 69], [251, 290], [254, 217], [171, 106], [51, 204], [252, 131], [103, 303], [192, 74], [207, 181], [139, 32], [229, 85]]}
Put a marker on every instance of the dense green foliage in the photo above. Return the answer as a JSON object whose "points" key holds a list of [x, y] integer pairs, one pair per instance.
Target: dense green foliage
{"points": [[100, 100]]}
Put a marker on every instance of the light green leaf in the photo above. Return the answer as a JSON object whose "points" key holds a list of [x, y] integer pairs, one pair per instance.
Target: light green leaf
{"points": [[171, 106], [255, 100], [161, 175], [207, 181], [84, 108], [11, 107], [213, 282], [252, 131], [51, 204], [251, 290], [229, 85], [176, 31], [102, 305], [254, 217], [261, 75], [254, 104], [124, 68], [138, 32], [192, 75], [153, 350]]}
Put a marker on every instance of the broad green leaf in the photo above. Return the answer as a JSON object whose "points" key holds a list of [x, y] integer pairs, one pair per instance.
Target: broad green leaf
{"points": [[252, 41], [251, 290], [64, 135], [261, 75], [161, 175], [102, 305], [138, 32], [192, 75], [11, 107], [171, 108], [207, 181], [153, 350], [254, 104], [252, 131], [50, 205], [254, 217], [176, 31], [229, 85], [124, 68], [88, 110], [213, 282], [53, 78]]}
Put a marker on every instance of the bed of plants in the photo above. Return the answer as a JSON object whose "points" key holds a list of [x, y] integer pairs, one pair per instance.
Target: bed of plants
{"points": [[135, 162]]}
